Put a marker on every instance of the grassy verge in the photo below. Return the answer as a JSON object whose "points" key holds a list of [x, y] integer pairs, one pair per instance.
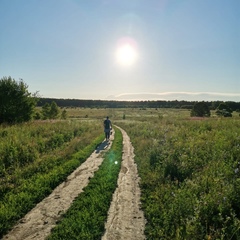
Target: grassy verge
{"points": [[86, 217], [16, 203]]}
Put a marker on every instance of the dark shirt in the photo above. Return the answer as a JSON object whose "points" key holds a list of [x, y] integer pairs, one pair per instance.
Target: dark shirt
{"points": [[107, 124]]}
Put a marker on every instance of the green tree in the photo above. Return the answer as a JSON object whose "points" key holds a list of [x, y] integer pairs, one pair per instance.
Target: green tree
{"points": [[224, 110], [50, 111], [54, 110], [64, 114], [200, 109], [37, 116], [46, 111], [17, 104]]}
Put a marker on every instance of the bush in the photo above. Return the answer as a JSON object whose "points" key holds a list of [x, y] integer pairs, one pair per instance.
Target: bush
{"points": [[200, 109], [17, 104], [224, 110]]}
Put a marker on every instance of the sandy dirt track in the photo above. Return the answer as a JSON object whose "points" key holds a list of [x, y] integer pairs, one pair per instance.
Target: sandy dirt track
{"points": [[125, 219]]}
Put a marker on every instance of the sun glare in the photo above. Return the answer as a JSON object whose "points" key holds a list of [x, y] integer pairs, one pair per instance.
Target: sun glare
{"points": [[126, 53]]}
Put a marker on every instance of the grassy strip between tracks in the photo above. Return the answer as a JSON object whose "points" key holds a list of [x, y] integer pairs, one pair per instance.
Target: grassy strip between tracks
{"points": [[86, 217], [16, 204]]}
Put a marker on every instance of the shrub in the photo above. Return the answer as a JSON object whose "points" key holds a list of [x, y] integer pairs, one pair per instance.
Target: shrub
{"points": [[17, 104], [200, 109]]}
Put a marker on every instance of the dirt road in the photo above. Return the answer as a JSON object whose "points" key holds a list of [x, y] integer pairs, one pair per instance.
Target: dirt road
{"points": [[125, 220]]}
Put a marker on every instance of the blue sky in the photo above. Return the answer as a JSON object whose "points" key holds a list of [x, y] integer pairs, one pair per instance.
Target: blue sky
{"points": [[186, 49]]}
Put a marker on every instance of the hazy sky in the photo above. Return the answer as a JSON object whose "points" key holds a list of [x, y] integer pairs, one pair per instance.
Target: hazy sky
{"points": [[179, 49]]}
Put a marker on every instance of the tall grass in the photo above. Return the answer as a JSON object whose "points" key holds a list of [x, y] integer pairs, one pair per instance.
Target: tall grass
{"points": [[25, 143], [24, 185], [189, 169], [190, 176]]}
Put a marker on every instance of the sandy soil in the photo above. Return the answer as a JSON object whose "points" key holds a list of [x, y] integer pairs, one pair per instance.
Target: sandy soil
{"points": [[125, 221], [125, 218]]}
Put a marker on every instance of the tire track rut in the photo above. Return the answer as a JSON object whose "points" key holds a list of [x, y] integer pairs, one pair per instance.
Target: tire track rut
{"points": [[125, 218]]}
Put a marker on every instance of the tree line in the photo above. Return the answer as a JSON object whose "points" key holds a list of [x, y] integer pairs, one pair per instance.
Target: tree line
{"points": [[17, 104], [212, 105]]}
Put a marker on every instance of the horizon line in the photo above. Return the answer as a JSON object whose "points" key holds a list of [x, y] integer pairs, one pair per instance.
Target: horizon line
{"points": [[166, 96], [181, 96]]}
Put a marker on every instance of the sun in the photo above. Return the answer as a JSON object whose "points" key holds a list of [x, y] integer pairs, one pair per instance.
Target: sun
{"points": [[126, 53]]}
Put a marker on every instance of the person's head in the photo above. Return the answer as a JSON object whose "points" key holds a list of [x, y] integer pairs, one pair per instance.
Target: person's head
{"points": [[107, 117]]}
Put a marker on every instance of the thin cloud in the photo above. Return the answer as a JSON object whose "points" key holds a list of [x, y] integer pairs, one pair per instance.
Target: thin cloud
{"points": [[188, 96]]}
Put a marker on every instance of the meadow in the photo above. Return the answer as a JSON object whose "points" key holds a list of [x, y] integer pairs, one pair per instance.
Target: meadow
{"points": [[189, 169], [36, 157]]}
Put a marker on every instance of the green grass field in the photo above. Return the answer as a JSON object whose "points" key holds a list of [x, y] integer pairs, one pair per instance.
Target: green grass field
{"points": [[189, 167]]}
